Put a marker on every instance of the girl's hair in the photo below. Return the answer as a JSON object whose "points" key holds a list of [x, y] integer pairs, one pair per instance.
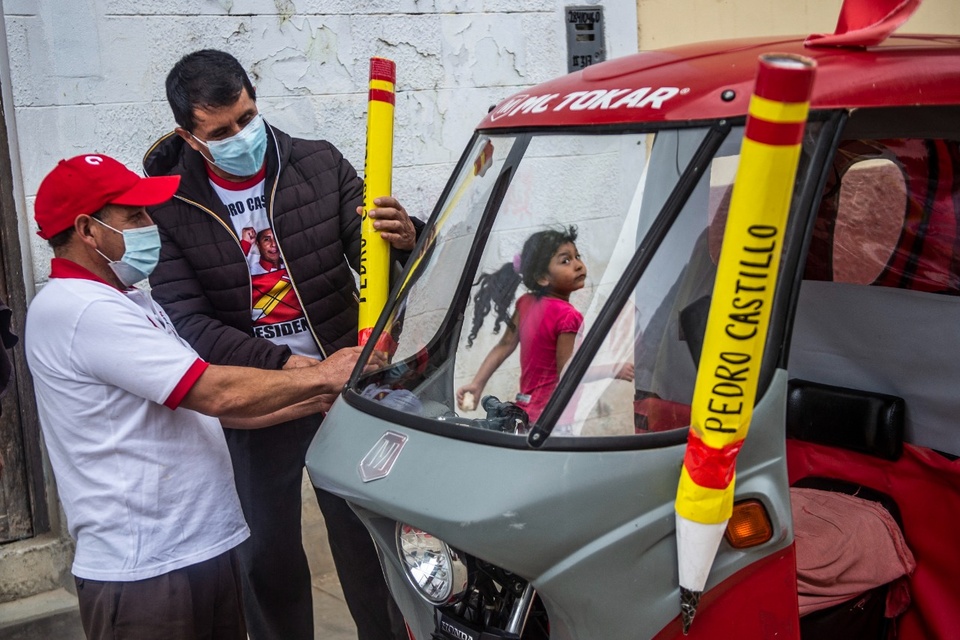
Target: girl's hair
{"points": [[498, 288]]}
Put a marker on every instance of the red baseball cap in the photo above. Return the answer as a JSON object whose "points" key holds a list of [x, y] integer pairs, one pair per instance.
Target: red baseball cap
{"points": [[85, 184]]}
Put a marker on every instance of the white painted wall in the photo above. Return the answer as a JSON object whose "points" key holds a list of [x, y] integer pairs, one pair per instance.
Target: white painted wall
{"points": [[87, 75]]}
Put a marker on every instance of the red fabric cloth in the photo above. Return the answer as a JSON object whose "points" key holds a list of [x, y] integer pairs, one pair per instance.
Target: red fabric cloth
{"points": [[541, 321], [845, 546], [926, 487], [864, 23]]}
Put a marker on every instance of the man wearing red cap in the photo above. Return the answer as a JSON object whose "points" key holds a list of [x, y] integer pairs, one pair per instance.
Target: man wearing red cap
{"points": [[129, 415]]}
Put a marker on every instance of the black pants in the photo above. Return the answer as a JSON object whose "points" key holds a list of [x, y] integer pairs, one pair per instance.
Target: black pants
{"points": [[278, 604], [199, 602]]}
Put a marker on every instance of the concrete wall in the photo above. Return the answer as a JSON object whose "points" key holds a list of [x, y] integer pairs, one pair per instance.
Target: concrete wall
{"points": [[662, 23], [87, 75]]}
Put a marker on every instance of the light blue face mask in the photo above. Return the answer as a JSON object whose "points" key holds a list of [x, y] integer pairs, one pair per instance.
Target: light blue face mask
{"points": [[140, 256], [240, 155]]}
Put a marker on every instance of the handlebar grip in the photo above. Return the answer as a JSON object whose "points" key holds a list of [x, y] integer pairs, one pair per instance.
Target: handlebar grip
{"points": [[492, 404]]}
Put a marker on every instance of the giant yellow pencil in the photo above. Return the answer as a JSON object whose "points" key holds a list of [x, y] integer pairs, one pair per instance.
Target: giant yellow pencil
{"points": [[377, 182], [736, 333]]}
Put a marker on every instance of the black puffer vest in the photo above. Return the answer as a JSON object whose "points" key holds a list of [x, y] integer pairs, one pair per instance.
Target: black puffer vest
{"points": [[203, 281]]}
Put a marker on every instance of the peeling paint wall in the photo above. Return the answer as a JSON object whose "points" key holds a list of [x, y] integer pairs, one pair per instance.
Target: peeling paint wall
{"points": [[87, 75]]}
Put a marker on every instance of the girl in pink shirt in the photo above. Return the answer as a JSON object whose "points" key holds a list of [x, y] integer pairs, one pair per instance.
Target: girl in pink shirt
{"points": [[544, 323]]}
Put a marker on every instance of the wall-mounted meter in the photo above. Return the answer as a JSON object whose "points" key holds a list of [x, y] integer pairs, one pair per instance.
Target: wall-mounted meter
{"points": [[585, 43]]}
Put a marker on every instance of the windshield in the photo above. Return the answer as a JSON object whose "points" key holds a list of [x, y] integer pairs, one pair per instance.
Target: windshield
{"points": [[535, 236]]}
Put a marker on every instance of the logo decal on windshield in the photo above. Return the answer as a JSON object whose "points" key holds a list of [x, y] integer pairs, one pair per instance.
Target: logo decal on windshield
{"points": [[380, 459], [603, 99]]}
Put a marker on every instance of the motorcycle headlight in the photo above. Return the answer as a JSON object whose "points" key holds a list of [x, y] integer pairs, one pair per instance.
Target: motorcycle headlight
{"points": [[438, 572]]}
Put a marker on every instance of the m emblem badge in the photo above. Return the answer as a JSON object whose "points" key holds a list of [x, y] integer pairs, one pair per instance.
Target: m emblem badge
{"points": [[380, 459]]}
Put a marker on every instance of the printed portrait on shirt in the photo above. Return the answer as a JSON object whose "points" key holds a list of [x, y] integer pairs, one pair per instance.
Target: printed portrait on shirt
{"points": [[274, 306]]}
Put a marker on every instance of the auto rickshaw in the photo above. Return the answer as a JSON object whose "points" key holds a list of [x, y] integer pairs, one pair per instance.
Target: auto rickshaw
{"points": [[485, 533]]}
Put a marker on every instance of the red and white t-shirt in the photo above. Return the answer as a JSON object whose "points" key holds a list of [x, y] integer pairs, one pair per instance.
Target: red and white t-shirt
{"points": [[147, 487], [275, 308]]}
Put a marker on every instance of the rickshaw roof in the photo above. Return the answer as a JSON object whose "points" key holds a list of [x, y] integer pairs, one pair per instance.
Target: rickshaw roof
{"points": [[715, 80]]}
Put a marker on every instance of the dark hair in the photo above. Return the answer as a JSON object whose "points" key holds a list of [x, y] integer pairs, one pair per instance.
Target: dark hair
{"points": [[497, 289], [261, 232], [63, 238], [203, 80]]}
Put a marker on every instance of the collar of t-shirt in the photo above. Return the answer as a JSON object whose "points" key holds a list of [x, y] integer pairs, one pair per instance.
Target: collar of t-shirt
{"points": [[223, 183], [244, 201], [64, 268]]}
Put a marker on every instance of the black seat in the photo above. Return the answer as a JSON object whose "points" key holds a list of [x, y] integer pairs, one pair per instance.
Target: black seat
{"points": [[870, 423]]}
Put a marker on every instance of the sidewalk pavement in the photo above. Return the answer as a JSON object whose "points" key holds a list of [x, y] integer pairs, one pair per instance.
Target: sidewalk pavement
{"points": [[331, 618], [55, 614]]}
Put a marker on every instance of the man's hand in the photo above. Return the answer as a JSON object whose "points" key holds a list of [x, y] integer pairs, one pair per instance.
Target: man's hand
{"points": [[336, 369], [332, 376], [393, 223], [326, 400]]}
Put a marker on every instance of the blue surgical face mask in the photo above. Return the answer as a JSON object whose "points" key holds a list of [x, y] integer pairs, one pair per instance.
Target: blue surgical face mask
{"points": [[240, 155], [140, 256]]}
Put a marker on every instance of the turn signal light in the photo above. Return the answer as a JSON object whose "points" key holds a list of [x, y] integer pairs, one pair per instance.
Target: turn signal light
{"points": [[749, 525]]}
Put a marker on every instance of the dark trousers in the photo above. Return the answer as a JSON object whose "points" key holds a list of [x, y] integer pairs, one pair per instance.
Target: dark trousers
{"points": [[277, 593], [199, 602]]}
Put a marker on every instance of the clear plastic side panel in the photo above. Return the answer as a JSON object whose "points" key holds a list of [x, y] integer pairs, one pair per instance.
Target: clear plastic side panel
{"points": [[660, 330], [429, 290], [879, 304], [888, 216]]}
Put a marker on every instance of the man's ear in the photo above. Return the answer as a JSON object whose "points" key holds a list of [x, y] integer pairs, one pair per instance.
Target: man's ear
{"points": [[190, 140], [83, 226]]}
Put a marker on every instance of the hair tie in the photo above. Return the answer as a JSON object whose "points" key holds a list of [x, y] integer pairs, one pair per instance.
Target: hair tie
{"points": [[516, 264]]}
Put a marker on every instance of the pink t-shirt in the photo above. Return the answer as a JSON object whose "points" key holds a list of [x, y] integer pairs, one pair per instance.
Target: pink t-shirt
{"points": [[541, 323]]}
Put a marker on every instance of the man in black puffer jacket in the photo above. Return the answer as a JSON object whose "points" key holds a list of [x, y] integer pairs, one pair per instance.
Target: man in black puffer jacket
{"points": [[248, 188]]}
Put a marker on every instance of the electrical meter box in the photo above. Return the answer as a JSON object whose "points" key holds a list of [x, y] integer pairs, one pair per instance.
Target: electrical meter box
{"points": [[585, 43]]}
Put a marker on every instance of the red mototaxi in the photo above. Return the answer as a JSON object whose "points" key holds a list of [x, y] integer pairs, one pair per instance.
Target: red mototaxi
{"points": [[880, 97]]}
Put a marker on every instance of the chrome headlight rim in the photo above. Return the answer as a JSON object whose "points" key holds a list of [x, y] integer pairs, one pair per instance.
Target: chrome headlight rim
{"points": [[436, 571]]}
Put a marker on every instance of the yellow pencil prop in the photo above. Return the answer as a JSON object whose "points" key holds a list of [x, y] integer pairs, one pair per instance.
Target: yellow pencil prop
{"points": [[736, 332], [377, 182]]}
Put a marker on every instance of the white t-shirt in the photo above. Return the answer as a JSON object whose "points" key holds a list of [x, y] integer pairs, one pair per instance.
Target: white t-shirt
{"points": [[147, 488], [274, 306]]}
